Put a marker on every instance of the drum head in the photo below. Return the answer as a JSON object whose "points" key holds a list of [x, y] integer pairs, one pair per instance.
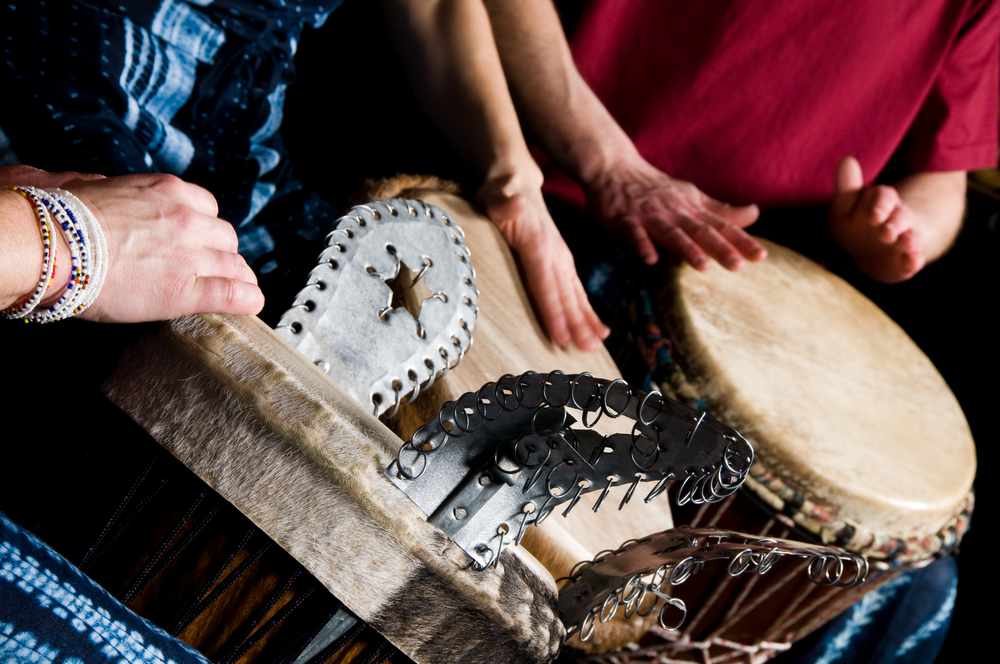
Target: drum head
{"points": [[837, 400]]}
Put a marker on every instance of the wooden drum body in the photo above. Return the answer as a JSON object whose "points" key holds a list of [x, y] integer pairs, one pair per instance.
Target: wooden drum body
{"points": [[508, 339], [859, 441]]}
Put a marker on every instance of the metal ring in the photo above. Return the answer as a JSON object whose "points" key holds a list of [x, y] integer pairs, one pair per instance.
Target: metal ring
{"points": [[557, 429], [642, 404], [503, 401], [641, 434], [548, 378], [587, 627], [655, 455], [683, 570], [468, 420], [605, 616], [572, 391], [604, 494], [607, 392], [679, 604], [690, 436], [521, 384], [599, 411], [633, 600], [631, 490], [659, 488], [496, 461], [684, 497], [860, 573], [447, 426], [396, 390], [402, 471], [768, 560], [481, 403]]}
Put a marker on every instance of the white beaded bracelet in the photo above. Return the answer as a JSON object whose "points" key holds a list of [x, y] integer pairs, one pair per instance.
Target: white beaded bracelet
{"points": [[88, 253]]}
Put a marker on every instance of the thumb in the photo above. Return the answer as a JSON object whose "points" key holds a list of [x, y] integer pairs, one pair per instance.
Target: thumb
{"points": [[741, 215], [849, 177], [847, 185]]}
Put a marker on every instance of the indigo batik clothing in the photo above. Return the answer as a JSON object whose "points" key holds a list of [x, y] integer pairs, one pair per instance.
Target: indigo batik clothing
{"points": [[191, 88], [50, 613]]}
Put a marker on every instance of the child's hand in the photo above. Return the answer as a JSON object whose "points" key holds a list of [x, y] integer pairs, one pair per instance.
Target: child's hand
{"points": [[874, 226]]}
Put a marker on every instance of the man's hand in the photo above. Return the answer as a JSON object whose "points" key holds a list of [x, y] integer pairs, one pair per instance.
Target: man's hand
{"points": [[649, 209], [550, 273], [169, 253], [875, 226]]}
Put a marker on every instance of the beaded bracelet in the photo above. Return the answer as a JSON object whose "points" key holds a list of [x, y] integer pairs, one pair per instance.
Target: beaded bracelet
{"points": [[24, 308], [88, 253], [76, 239], [97, 247]]}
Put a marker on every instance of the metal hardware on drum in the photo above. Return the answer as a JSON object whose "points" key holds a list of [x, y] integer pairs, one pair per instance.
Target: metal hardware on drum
{"points": [[595, 589], [515, 455], [352, 302]]}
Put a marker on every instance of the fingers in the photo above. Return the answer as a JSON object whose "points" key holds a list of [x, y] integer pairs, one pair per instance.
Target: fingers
{"points": [[567, 315], [638, 238], [881, 207], [221, 295], [228, 265]]}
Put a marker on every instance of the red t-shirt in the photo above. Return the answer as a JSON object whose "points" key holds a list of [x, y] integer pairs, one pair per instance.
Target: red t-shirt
{"points": [[757, 100]]}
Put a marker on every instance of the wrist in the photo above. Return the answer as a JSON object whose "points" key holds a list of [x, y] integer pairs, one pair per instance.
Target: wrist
{"points": [[594, 162], [20, 248], [519, 174]]}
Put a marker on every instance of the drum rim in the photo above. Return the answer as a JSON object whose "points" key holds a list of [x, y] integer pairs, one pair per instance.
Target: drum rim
{"points": [[819, 522]]}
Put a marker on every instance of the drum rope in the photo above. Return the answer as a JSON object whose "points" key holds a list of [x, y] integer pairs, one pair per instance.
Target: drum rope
{"points": [[145, 575], [101, 544], [209, 592]]}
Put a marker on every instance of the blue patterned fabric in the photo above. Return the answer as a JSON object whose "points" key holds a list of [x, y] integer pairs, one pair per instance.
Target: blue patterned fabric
{"points": [[50, 613], [903, 622], [194, 88]]}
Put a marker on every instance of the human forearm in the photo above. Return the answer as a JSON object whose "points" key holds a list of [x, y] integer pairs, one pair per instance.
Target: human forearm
{"points": [[554, 101], [629, 196], [452, 62], [938, 203]]}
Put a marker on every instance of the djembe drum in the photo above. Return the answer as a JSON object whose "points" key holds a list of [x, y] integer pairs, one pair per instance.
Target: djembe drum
{"points": [[859, 442]]}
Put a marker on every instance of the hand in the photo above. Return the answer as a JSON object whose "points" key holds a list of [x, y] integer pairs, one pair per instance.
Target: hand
{"points": [[649, 209], [518, 210], [875, 226], [169, 253]]}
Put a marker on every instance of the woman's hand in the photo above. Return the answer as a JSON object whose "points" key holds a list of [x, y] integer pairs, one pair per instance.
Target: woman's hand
{"points": [[169, 253]]}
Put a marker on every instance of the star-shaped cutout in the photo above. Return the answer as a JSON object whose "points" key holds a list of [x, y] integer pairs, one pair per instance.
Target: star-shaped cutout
{"points": [[408, 291]]}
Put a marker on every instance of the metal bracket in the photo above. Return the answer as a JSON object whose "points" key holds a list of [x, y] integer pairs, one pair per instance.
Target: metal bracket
{"points": [[495, 461]]}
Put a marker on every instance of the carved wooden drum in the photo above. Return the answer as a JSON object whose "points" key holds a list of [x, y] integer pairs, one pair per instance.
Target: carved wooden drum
{"points": [[859, 442]]}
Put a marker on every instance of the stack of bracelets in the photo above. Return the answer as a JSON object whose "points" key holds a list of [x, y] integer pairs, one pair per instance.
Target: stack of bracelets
{"points": [[88, 252]]}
